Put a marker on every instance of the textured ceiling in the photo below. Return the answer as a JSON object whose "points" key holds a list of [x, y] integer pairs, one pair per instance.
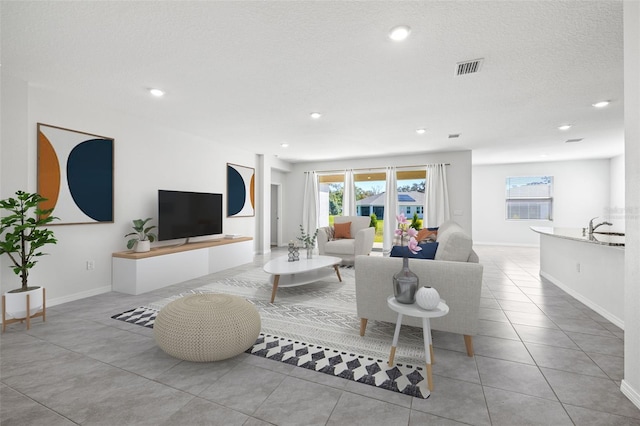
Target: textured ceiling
{"points": [[249, 73]]}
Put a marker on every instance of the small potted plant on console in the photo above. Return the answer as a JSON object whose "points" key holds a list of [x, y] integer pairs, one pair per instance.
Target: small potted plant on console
{"points": [[143, 237], [21, 237]]}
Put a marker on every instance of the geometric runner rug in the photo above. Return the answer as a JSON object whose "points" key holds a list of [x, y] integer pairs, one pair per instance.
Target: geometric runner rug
{"points": [[315, 326]]}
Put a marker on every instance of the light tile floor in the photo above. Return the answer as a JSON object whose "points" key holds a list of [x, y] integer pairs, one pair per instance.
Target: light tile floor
{"points": [[541, 358]]}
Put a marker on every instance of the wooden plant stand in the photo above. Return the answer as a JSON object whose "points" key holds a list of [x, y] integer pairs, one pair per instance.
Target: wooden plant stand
{"points": [[42, 314]]}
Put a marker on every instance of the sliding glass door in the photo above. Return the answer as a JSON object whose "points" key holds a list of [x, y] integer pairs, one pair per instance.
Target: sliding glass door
{"points": [[331, 191], [370, 188]]}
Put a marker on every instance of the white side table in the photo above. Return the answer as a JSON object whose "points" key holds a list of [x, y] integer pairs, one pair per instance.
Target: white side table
{"points": [[416, 311]]}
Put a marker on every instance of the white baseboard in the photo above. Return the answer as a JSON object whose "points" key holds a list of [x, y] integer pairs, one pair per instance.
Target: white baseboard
{"points": [[485, 243], [631, 393], [599, 309], [78, 296]]}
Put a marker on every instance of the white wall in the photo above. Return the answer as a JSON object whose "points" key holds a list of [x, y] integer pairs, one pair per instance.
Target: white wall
{"points": [[278, 176], [14, 128], [458, 180], [581, 191], [631, 383], [147, 157], [617, 198]]}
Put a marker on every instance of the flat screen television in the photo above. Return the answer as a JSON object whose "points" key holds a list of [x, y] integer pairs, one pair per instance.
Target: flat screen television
{"points": [[183, 214]]}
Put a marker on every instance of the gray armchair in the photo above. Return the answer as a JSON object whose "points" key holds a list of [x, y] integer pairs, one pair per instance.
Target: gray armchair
{"points": [[360, 243]]}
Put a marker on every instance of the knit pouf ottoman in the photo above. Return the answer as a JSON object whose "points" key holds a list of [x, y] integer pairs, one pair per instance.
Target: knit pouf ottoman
{"points": [[206, 327]]}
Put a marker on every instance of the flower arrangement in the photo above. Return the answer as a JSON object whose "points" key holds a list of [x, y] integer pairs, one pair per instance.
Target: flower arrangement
{"points": [[405, 230], [307, 239]]}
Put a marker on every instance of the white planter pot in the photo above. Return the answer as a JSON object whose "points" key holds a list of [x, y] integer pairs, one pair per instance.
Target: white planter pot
{"points": [[427, 298], [16, 303], [142, 246]]}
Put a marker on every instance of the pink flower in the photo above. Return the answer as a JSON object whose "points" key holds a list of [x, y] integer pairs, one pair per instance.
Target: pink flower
{"points": [[412, 232], [401, 219], [413, 246]]}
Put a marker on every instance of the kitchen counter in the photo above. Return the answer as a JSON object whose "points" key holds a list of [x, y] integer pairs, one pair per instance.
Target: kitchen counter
{"points": [[589, 268], [613, 239]]}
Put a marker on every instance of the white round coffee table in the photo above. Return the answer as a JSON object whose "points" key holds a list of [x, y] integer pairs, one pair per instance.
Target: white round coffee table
{"points": [[303, 271], [416, 311]]}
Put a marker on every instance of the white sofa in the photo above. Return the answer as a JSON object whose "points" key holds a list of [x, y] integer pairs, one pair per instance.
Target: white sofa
{"points": [[455, 273], [361, 242]]}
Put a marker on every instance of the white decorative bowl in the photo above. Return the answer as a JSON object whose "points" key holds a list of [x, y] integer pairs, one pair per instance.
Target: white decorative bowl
{"points": [[427, 298]]}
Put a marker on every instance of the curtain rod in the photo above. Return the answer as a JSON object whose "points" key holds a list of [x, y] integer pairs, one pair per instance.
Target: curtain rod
{"points": [[372, 168]]}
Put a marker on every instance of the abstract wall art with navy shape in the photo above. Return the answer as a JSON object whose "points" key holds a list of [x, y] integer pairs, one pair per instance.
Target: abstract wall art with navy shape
{"points": [[240, 191], [75, 175]]}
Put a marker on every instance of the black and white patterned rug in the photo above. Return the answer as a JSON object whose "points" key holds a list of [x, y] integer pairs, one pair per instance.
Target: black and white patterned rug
{"points": [[315, 326]]}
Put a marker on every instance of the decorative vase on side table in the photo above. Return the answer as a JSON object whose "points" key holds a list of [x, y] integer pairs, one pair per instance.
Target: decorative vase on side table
{"points": [[405, 284], [427, 298]]}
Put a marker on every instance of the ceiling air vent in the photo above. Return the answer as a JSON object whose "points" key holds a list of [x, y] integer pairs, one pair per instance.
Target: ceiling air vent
{"points": [[454, 135], [469, 67], [573, 140]]}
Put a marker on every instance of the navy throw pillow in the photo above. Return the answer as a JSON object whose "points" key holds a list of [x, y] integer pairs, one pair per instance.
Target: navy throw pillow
{"points": [[428, 251]]}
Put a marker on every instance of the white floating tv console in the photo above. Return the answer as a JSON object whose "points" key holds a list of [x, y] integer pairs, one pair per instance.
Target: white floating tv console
{"points": [[137, 273]]}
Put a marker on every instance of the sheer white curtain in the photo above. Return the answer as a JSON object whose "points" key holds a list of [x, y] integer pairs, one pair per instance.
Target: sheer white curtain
{"points": [[349, 195], [437, 199], [310, 203], [390, 211]]}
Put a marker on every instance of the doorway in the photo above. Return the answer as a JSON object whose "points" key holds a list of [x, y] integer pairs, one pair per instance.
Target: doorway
{"points": [[276, 208]]}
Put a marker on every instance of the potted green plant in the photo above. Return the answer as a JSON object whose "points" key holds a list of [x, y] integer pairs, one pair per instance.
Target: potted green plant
{"points": [[22, 236], [308, 240], [142, 237]]}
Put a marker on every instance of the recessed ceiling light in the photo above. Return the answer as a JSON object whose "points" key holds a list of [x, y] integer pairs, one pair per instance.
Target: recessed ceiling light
{"points": [[156, 92], [315, 115], [399, 33], [564, 127], [284, 145], [421, 131], [601, 104]]}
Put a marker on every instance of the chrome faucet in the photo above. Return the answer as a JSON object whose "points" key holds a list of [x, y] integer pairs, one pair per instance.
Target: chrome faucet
{"points": [[593, 228]]}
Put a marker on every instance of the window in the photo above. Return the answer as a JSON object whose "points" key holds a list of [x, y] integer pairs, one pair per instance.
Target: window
{"points": [[411, 193], [529, 198], [370, 187], [331, 190]]}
